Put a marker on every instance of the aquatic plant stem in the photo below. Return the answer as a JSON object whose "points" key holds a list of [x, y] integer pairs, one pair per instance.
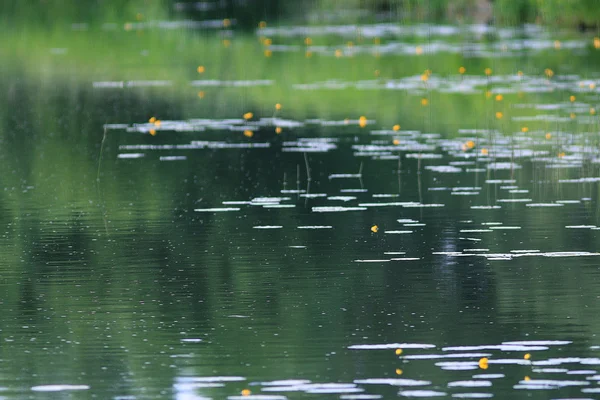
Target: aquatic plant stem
{"points": [[100, 157], [98, 180], [307, 167]]}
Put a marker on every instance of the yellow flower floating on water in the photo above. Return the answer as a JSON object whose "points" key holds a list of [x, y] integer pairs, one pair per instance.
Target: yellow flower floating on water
{"points": [[548, 136], [524, 129], [399, 371], [396, 127], [262, 24], [200, 69], [374, 228], [592, 111], [483, 363], [278, 106], [362, 121], [488, 71], [248, 115], [338, 53], [268, 53], [152, 132], [557, 44], [201, 94], [484, 152], [152, 120], [499, 114], [278, 130], [597, 42], [157, 123], [462, 70], [248, 133], [307, 41], [470, 144], [561, 154], [549, 73], [246, 392], [419, 50], [267, 42], [424, 102], [398, 352], [396, 142], [226, 23], [527, 356], [499, 97]]}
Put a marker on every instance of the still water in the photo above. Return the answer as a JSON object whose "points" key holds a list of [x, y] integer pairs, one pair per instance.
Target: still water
{"points": [[204, 255]]}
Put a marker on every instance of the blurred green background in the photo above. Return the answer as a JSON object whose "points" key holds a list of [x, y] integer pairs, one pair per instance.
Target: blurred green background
{"points": [[71, 43], [568, 13]]}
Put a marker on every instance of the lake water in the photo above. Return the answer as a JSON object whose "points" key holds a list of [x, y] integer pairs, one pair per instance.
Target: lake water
{"points": [[204, 255]]}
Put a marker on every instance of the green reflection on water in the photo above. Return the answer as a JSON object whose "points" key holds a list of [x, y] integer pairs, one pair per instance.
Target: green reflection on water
{"points": [[68, 56], [102, 279]]}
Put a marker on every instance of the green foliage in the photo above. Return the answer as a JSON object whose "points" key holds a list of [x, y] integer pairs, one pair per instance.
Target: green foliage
{"points": [[505, 12], [49, 13], [570, 13], [514, 12]]}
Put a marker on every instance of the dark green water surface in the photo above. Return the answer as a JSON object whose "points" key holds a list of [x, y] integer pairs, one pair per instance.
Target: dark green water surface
{"points": [[120, 280]]}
